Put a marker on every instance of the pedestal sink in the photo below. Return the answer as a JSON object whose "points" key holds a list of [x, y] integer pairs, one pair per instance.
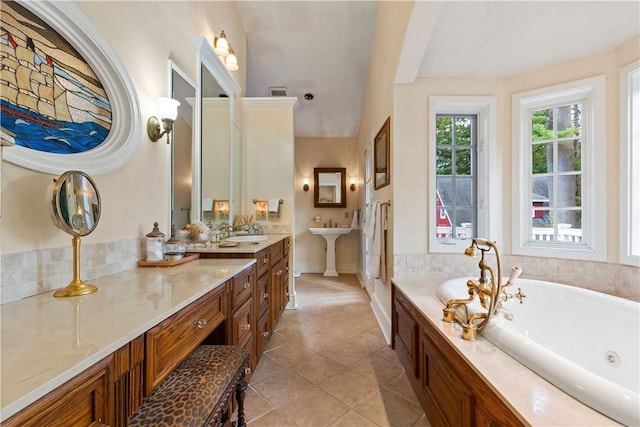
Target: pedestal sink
{"points": [[330, 235]]}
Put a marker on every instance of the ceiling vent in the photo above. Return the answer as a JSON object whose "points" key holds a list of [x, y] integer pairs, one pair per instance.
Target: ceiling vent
{"points": [[278, 91]]}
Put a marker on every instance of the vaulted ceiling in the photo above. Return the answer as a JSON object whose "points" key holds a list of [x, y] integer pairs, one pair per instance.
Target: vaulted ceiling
{"points": [[323, 47]]}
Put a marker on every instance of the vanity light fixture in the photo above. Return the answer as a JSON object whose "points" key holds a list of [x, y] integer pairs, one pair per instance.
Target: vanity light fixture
{"points": [[225, 52], [167, 113], [305, 184], [353, 183]]}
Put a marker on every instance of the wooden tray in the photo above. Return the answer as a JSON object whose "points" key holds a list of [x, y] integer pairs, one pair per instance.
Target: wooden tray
{"points": [[168, 262]]}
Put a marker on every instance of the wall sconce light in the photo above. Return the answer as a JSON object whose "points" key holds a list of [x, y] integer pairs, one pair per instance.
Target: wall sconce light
{"points": [[225, 52], [353, 183], [167, 113], [305, 184]]}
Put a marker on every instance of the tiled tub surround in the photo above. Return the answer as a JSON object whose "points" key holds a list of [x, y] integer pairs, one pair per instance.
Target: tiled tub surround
{"points": [[47, 341], [537, 402], [613, 279]]}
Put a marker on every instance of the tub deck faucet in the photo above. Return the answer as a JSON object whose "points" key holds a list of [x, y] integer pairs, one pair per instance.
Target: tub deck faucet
{"points": [[488, 288]]}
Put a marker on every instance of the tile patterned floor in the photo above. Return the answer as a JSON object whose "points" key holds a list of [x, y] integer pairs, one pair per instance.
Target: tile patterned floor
{"points": [[327, 364]]}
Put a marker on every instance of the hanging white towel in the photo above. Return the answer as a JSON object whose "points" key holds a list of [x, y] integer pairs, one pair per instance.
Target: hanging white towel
{"points": [[274, 205], [370, 219], [354, 221], [377, 258], [207, 204]]}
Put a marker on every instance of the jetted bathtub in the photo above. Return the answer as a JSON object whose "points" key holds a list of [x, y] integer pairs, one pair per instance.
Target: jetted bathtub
{"points": [[584, 342]]}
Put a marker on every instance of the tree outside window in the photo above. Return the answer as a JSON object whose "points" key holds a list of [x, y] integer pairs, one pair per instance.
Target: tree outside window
{"points": [[556, 184], [456, 137]]}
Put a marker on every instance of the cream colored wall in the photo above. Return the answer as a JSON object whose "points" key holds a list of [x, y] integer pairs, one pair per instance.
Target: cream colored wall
{"points": [[144, 35], [312, 153], [269, 144], [378, 103]]}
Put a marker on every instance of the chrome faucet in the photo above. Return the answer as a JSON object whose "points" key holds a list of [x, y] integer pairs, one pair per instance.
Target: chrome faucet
{"points": [[488, 288]]}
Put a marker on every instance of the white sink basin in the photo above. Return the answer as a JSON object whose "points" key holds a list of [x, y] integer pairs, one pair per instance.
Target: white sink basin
{"points": [[247, 239], [327, 230], [330, 235]]}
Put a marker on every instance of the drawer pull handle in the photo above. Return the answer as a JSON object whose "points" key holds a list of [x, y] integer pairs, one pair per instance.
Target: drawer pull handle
{"points": [[265, 334], [247, 371], [265, 295], [265, 260], [246, 285], [201, 323], [246, 327]]}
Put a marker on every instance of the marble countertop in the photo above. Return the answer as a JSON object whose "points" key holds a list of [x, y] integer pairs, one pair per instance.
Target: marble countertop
{"points": [[537, 401], [241, 248], [46, 341]]}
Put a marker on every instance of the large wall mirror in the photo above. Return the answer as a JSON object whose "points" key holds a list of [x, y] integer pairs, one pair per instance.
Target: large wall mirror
{"points": [[215, 150], [213, 166], [182, 89], [237, 170], [329, 189]]}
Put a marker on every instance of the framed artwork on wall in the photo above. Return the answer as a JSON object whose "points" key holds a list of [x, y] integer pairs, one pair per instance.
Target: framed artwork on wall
{"points": [[381, 158], [66, 99]]}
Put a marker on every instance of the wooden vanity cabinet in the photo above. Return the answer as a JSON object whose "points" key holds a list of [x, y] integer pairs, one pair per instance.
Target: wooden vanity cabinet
{"points": [[85, 400], [270, 293], [109, 392], [450, 391], [279, 281], [242, 313]]}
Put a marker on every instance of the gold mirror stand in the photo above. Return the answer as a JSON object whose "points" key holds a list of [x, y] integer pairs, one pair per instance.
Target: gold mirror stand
{"points": [[76, 287]]}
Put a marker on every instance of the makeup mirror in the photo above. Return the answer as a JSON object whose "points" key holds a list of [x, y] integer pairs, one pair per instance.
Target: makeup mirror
{"points": [[74, 207]]}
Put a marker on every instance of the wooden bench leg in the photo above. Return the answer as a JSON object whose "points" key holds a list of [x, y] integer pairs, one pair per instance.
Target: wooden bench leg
{"points": [[240, 388]]}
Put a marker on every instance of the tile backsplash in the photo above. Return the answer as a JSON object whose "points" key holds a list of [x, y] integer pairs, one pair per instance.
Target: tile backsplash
{"points": [[33, 272], [29, 273], [613, 279]]}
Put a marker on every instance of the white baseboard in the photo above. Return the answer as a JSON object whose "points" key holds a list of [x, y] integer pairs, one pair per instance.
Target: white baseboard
{"points": [[319, 268], [383, 320]]}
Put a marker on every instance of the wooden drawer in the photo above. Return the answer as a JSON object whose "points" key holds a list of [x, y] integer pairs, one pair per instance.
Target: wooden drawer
{"points": [[241, 286], [172, 340], [262, 333], [241, 324], [262, 295], [263, 262], [277, 252]]}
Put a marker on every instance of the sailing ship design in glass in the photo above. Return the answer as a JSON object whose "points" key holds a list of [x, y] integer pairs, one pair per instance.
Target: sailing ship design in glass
{"points": [[51, 99]]}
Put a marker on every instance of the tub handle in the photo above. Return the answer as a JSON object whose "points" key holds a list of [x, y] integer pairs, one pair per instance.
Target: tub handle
{"points": [[518, 295]]}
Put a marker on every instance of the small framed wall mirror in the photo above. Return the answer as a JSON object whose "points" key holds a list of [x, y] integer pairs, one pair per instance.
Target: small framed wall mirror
{"points": [[329, 189]]}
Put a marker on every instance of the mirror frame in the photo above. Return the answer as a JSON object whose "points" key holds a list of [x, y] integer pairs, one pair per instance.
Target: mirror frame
{"points": [[173, 67], [206, 57], [316, 187], [381, 156], [55, 207]]}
